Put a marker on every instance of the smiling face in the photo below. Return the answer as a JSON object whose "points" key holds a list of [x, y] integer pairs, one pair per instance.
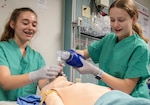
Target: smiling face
{"points": [[121, 22], [25, 26]]}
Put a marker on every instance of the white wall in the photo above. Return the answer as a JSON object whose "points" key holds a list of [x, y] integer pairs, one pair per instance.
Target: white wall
{"points": [[146, 3], [49, 37]]}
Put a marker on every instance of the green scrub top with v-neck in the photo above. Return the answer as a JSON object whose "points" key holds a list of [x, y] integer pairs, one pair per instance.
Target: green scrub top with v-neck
{"points": [[128, 58], [11, 57]]}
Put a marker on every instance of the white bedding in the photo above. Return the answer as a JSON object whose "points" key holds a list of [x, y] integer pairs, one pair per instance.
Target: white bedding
{"points": [[8, 103]]}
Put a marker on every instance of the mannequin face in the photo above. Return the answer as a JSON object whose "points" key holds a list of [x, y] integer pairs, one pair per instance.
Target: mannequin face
{"points": [[59, 82]]}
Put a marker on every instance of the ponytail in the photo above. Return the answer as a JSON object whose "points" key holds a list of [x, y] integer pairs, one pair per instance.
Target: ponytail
{"points": [[137, 28]]}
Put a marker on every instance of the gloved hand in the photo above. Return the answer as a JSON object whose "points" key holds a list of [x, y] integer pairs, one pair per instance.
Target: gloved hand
{"points": [[47, 72], [88, 68], [61, 74]]}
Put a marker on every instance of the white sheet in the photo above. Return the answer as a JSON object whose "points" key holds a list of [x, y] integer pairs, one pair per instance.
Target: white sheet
{"points": [[8, 103]]}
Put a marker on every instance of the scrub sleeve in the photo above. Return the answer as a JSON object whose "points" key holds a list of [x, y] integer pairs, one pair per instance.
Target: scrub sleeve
{"points": [[128, 58], [11, 57], [116, 97]]}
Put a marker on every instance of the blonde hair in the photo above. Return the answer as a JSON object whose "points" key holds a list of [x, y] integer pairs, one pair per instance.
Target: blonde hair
{"points": [[8, 31], [131, 9]]}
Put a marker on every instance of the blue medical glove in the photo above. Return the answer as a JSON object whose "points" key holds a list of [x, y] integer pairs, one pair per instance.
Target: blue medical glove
{"points": [[47, 72], [74, 59]]}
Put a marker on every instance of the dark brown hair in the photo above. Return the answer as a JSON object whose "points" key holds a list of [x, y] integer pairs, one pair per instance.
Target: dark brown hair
{"points": [[8, 31], [131, 9]]}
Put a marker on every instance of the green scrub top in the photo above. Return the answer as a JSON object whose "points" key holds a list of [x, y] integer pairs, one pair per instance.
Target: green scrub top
{"points": [[11, 57], [128, 58]]}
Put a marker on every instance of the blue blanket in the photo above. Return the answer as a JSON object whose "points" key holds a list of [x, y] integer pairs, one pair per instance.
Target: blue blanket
{"points": [[116, 97], [29, 100]]}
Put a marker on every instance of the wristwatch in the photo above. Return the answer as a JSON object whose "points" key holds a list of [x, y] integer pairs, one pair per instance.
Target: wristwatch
{"points": [[99, 75]]}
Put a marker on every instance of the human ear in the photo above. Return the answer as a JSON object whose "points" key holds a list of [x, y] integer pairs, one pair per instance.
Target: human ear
{"points": [[12, 24], [134, 20]]}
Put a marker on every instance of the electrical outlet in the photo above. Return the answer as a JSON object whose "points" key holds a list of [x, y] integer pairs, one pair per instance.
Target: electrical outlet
{"points": [[86, 11]]}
